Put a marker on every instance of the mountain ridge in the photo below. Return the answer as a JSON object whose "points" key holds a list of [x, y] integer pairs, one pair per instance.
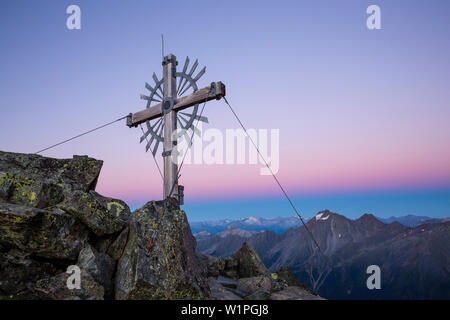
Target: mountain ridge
{"points": [[252, 223], [414, 260], [282, 224]]}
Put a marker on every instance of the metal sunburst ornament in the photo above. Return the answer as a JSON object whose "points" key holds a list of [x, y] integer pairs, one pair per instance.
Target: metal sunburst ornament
{"points": [[185, 120]]}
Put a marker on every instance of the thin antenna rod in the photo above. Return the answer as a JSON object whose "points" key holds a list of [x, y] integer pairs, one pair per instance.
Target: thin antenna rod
{"points": [[162, 45]]}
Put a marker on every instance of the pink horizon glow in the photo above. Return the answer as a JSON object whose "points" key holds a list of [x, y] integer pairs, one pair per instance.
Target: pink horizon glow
{"points": [[304, 176]]}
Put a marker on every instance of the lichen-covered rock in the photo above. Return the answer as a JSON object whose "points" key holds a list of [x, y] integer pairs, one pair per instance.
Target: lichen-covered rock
{"points": [[41, 182], [215, 266], [159, 260], [19, 272], [46, 234], [219, 292], [20, 189], [103, 215], [294, 293], [115, 250], [261, 285], [226, 267], [286, 275], [251, 285], [66, 184], [227, 282], [249, 263], [278, 283], [99, 265], [78, 173], [258, 295], [55, 288]]}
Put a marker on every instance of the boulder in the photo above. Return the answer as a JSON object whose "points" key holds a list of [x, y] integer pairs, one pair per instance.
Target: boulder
{"points": [[251, 285], [55, 288], [249, 263], [211, 265], [227, 282], [285, 274], [99, 265], [41, 182], [294, 293], [61, 184], [277, 282], [219, 292], [45, 234], [159, 260], [228, 267], [258, 295], [78, 173], [115, 250], [19, 272], [20, 189], [103, 215], [215, 267], [260, 285]]}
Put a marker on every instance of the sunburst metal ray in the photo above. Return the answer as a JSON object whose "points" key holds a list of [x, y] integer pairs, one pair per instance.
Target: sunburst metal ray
{"points": [[155, 128], [182, 80], [196, 117], [183, 132], [149, 131]]}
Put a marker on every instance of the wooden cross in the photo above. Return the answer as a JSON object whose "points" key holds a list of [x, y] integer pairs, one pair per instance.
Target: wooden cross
{"points": [[168, 109]]}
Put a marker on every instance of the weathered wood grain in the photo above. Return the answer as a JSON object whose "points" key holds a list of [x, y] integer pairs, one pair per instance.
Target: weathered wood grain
{"points": [[199, 96]]}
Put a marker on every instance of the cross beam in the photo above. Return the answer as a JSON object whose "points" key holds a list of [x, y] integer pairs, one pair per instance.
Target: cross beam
{"points": [[168, 109], [215, 91]]}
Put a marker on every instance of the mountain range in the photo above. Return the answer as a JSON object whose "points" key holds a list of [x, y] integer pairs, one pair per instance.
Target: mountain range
{"points": [[277, 225], [282, 224], [414, 261], [411, 220]]}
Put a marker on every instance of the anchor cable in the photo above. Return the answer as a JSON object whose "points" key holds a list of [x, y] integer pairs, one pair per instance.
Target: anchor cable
{"points": [[82, 134], [154, 158], [273, 174]]}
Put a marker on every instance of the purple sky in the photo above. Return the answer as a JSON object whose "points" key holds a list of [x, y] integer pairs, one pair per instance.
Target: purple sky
{"points": [[358, 110]]}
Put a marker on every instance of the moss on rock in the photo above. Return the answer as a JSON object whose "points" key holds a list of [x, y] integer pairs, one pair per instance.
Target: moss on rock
{"points": [[44, 233], [55, 288], [250, 264], [102, 215]]}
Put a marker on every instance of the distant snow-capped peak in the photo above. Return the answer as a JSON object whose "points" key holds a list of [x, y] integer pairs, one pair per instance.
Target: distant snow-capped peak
{"points": [[253, 220], [322, 216], [278, 224]]}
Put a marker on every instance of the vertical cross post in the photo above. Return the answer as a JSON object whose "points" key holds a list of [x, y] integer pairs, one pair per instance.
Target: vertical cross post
{"points": [[170, 125]]}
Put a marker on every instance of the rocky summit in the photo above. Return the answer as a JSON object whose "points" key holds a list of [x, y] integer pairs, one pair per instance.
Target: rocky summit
{"points": [[54, 227], [245, 277], [159, 260]]}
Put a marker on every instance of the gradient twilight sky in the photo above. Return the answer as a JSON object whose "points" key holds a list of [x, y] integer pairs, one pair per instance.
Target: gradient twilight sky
{"points": [[363, 114]]}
